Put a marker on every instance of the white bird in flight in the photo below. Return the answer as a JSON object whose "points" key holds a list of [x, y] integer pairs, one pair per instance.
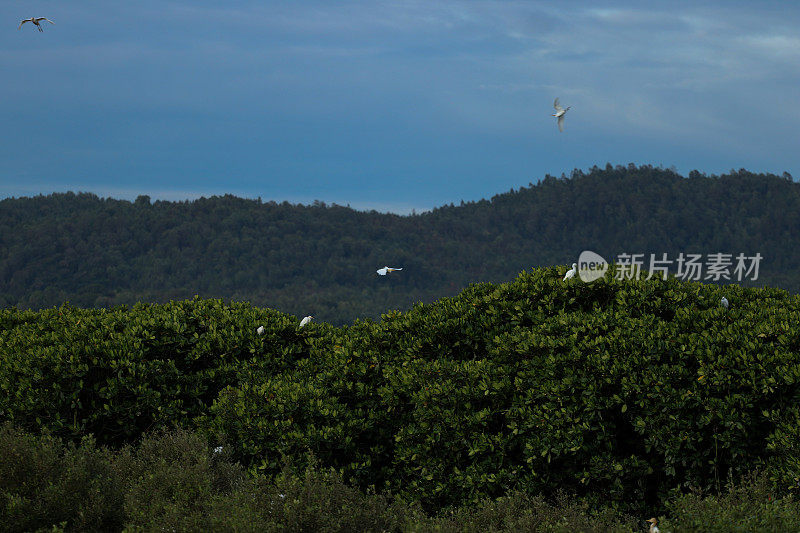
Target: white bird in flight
{"points": [[36, 21], [560, 112], [385, 270], [724, 302], [306, 320], [571, 273]]}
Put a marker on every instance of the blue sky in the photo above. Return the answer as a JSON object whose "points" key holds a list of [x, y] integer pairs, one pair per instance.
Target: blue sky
{"points": [[387, 105]]}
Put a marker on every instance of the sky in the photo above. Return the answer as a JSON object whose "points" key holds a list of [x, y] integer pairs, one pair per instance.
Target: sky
{"points": [[384, 105]]}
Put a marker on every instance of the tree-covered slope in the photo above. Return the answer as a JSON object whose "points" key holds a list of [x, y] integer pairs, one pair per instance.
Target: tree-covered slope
{"points": [[321, 259]]}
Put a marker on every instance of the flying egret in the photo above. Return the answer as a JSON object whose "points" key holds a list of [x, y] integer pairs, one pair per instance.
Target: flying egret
{"points": [[260, 330], [385, 270], [36, 21], [306, 320], [724, 302], [571, 273], [560, 112], [653, 526]]}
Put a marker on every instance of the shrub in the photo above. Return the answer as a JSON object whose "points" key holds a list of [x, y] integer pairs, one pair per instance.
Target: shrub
{"points": [[751, 505], [614, 390], [116, 373], [617, 391], [44, 483], [173, 480]]}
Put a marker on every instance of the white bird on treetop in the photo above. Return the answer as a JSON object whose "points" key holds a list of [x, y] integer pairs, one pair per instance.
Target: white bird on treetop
{"points": [[260, 330], [36, 21], [560, 112], [653, 526], [218, 449], [571, 273], [306, 320], [724, 302], [385, 270]]}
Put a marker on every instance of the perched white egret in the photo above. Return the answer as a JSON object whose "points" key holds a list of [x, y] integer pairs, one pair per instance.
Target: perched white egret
{"points": [[36, 21], [260, 330], [218, 449], [653, 526], [571, 273], [559, 114], [724, 302], [306, 320], [385, 270]]}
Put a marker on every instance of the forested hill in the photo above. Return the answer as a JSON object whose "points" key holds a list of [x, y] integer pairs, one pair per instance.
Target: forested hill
{"points": [[321, 260]]}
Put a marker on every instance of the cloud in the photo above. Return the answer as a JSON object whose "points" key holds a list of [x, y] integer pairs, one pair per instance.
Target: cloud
{"points": [[777, 47], [172, 92]]}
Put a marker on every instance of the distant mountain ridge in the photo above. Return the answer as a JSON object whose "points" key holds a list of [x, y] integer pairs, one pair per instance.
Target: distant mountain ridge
{"points": [[321, 259]]}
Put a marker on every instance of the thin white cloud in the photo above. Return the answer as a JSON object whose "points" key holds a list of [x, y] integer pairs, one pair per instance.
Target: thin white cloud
{"points": [[778, 47]]}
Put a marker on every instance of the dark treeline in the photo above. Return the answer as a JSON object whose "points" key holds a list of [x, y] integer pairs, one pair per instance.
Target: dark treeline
{"points": [[321, 259]]}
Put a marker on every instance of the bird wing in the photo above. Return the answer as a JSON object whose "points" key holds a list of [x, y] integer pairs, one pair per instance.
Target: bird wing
{"points": [[23, 22], [393, 269], [561, 123], [557, 106], [45, 18]]}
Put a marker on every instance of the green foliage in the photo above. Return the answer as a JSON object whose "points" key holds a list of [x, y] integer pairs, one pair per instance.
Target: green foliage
{"points": [[115, 373], [321, 260], [616, 391], [173, 478], [521, 512], [751, 505], [173, 481], [167, 478], [45, 484]]}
